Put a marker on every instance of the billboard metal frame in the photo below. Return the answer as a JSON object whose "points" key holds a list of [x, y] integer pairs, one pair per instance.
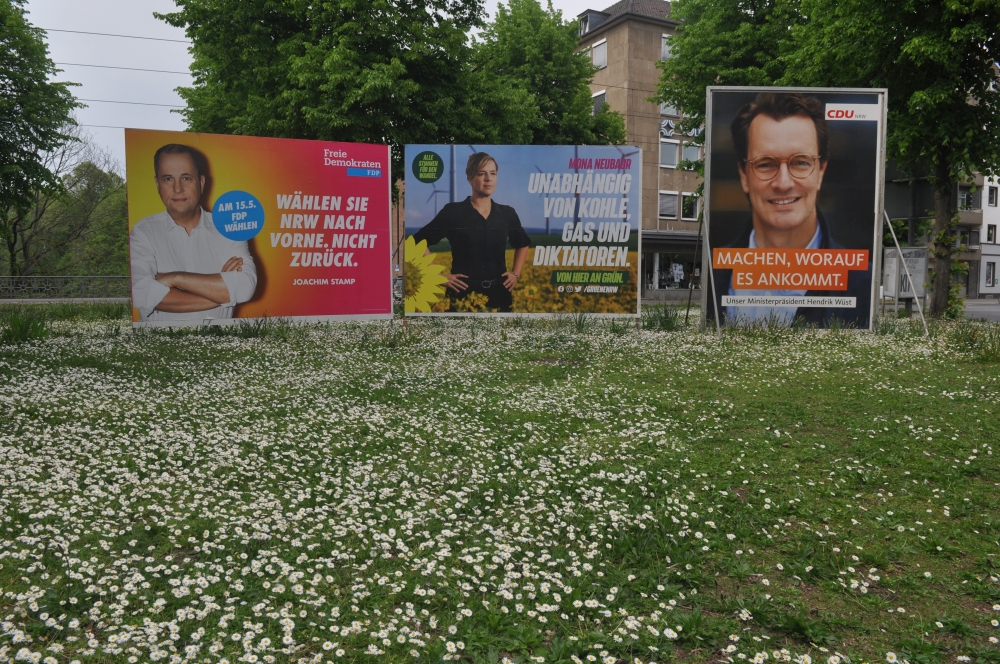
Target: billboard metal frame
{"points": [[486, 314], [875, 260], [386, 298]]}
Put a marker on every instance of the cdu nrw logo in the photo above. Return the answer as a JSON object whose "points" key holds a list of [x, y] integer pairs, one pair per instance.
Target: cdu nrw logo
{"points": [[864, 112]]}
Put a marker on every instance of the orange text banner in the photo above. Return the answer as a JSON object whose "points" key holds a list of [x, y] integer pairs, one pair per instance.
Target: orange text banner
{"points": [[790, 269]]}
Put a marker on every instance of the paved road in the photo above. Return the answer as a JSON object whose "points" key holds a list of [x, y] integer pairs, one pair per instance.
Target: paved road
{"points": [[974, 309], [983, 309]]}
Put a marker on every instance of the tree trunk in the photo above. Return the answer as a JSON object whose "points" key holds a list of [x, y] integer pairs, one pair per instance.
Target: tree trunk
{"points": [[16, 244], [11, 255], [23, 269], [944, 241], [10, 239]]}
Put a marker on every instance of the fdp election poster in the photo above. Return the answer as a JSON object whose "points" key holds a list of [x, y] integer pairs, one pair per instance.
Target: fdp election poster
{"points": [[522, 229], [794, 189], [224, 227]]}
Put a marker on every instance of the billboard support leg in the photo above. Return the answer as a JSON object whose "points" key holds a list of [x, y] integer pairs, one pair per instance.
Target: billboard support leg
{"points": [[712, 293], [895, 301], [697, 247], [903, 262]]}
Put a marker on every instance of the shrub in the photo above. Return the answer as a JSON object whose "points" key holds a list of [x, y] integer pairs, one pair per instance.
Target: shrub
{"points": [[662, 318], [981, 340], [254, 328], [20, 326]]}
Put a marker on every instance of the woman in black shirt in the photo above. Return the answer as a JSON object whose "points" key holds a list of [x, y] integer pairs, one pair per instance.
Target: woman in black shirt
{"points": [[479, 229]]}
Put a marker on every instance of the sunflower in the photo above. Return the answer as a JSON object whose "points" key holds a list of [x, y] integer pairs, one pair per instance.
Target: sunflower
{"points": [[422, 280], [473, 303]]}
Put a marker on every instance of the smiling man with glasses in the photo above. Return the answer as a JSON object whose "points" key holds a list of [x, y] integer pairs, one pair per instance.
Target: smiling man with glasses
{"points": [[782, 143], [782, 146]]}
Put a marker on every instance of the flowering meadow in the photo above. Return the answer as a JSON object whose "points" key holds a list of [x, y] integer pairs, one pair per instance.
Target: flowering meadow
{"points": [[497, 490]]}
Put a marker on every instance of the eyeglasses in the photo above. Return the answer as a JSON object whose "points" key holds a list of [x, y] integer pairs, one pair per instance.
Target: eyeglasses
{"points": [[799, 166]]}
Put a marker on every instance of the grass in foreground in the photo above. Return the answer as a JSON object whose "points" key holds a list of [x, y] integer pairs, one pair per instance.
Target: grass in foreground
{"points": [[567, 490]]}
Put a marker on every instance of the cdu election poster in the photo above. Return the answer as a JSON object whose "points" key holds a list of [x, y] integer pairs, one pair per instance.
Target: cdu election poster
{"points": [[522, 229], [794, 190], [224, 227]]}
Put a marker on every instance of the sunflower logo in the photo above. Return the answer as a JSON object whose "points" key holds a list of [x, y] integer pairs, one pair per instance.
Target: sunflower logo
{"points": [[422, 280]]}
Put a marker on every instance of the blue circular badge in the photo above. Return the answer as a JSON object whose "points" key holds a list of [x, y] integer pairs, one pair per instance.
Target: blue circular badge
{"points": [[238, 215]]}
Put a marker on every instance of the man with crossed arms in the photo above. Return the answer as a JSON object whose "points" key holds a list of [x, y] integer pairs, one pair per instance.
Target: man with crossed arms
{"points": [[183, 268]]}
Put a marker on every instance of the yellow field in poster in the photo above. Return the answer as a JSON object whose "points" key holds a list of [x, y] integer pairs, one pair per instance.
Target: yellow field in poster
{"points": [[536, 293]]}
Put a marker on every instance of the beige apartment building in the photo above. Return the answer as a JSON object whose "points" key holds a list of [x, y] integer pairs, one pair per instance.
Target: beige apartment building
{"points": [[625, 42]]}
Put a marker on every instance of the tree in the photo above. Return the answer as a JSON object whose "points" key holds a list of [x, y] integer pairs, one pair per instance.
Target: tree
{"points": [[724, 42], [534, 48], [381, 71], [938, 61], [53, 233], [34, 113], [103, 248]]}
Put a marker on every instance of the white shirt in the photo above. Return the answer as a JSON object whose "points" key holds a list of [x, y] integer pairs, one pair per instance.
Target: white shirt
{"points": [[783, 315], [158, 244]]}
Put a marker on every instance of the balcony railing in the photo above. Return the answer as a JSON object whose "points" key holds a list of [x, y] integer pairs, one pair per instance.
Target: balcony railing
{"points": [[45, 288], [970, 217]]}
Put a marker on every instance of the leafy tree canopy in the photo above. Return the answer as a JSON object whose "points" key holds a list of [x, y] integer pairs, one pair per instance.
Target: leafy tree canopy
{"points": [[536, 48], [33, 111], [724, 42], [79, 227], [392, 71], [937, 59]]}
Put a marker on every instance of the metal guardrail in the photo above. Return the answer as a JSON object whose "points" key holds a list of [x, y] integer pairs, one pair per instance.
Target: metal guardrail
{"points": [[43, 288]]}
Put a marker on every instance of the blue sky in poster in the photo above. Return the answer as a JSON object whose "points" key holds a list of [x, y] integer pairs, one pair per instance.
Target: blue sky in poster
{"points": [[517, 163]]}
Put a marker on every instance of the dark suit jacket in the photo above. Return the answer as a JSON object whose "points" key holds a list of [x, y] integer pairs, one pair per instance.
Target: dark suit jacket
{"points": [[859, 285]]}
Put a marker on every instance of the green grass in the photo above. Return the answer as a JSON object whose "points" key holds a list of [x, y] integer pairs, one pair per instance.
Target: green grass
{"points": [[665, 318], [69, 311], [19, 326], [811, 493]]}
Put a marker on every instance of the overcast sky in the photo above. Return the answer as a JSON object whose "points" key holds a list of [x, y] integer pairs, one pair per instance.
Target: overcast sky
{"points": [[70, 50]]}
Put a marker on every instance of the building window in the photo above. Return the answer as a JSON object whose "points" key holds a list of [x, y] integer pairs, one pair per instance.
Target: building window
{"points": [[991, 275], [964, 199], [600, 99], [689, 207], [665, 47], [599, 54], [668, 153], [991, 234], [668, 205], [692, 152], [667, 109], [590, 21], [993, 195], [968, 199]]}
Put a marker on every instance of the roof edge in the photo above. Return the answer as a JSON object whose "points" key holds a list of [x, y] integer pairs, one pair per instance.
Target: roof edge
{"points": [[624, 17]]}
